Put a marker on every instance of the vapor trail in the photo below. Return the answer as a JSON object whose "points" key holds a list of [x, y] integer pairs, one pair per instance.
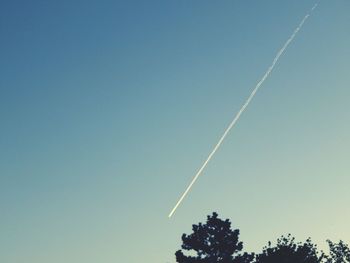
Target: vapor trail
{"points": [[235, 119]]}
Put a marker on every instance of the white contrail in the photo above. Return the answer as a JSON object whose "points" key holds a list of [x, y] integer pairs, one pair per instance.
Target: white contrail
{"points": [[233, 122]]}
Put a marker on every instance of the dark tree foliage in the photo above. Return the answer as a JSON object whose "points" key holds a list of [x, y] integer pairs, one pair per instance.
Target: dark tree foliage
{"points": [[213, 242], [339, 252], [288, 251]]}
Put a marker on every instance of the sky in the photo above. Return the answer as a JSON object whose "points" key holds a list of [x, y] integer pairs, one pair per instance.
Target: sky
{"points": [[108, 108]]}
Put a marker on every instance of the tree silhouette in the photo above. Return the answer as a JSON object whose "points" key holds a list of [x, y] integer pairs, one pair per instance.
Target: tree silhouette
{"points": [[287, 251], [339, 252], [213, 242]]}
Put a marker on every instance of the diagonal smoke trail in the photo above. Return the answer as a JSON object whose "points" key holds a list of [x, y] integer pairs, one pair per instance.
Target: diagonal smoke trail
{"points": [[233, 122]]}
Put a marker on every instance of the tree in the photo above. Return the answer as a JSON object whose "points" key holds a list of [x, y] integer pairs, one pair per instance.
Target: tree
{"points": [[339, 252], [288, 251], [213, 242]]}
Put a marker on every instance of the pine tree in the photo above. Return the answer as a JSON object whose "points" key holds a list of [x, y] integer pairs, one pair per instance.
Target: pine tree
{"points": [[213, 242]]}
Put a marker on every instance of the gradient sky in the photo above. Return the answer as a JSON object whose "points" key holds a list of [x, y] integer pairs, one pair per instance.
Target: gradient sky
{"points": [[108, 108]]}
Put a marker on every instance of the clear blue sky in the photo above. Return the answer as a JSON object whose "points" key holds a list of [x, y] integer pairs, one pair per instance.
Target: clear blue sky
{"points": [[108, 108]]}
